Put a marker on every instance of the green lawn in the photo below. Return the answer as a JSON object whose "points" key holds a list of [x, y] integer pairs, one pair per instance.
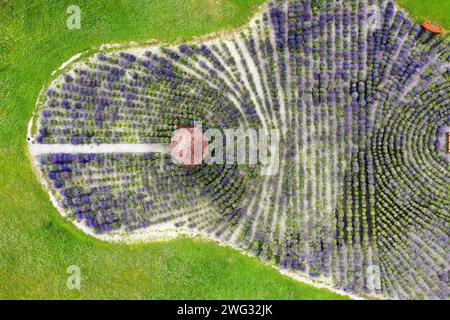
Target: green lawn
{"points": [[438, 11], [36, 244]]}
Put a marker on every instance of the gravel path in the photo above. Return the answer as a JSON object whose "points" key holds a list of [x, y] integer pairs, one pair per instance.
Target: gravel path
{"points": [[41, 149]]}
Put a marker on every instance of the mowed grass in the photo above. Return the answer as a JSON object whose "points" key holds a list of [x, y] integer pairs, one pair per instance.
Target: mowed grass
{"points": [[437, 11], [36, 244]]}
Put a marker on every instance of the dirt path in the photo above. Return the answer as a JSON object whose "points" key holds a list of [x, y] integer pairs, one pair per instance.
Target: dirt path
{"points": [[41, 149]]}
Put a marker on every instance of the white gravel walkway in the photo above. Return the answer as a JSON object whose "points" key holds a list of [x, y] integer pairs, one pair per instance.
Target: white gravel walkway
{"points": [[40, 149]]}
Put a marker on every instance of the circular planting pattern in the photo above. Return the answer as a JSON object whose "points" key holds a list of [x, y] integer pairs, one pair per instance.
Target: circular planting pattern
{"points": [[361, 97]]}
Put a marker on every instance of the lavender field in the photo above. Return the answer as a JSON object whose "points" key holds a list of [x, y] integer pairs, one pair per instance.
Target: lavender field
{"points": [[361, 95]]}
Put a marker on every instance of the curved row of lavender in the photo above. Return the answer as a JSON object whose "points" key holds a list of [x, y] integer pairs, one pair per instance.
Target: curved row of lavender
{"points": [[361, 95]]}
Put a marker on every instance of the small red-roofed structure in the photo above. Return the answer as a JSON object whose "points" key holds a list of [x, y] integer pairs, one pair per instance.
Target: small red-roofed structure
{"points": [[427, 25], [448, 134], [189, 147]]}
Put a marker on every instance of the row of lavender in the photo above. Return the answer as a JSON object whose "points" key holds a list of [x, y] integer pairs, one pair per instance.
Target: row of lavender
{"points": [[122, 99], [358, 94], [382, 213]]}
